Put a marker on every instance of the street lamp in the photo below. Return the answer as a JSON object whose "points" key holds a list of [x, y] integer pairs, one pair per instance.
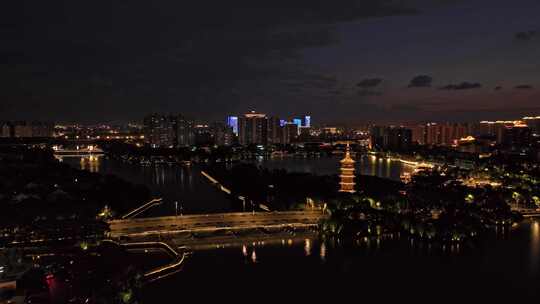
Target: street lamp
{"points": [[243, 199], [176, 208]]}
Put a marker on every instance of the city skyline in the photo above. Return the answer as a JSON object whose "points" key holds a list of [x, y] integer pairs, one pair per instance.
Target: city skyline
{"points": [[380, 61], [241, 150]]}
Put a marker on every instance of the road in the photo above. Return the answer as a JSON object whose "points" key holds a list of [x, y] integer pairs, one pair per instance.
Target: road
{"points": [[213, 222]]}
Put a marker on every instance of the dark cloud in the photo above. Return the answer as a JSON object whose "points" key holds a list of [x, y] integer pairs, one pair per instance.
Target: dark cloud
{"points": [[462, 86], [405, 108], [367, 92], [498, 88], [525, 36], [421, 81], [167, 52], [523, 87], [335, 92], [369, 82], [310, 81]]}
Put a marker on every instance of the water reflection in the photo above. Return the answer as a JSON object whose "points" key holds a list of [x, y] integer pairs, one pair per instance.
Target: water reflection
{"points": [[322, 252], [170, 182], [307, 247], [90, 163], [367, 165], [492, 266], [254, 256]]}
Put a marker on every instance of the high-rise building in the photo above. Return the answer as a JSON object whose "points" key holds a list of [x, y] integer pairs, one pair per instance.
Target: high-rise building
{"points": [[42, 129], [222, 134], [306, 121], [160, 130], [22, 129], [418, 134], [185, 133], [534, 124], [253, 129], [377, 137], [517, 136], [305, 134], [390, 138], [433, 134], [444, 134], [275, 131], [203, 135], [290, 133], [232, 121], [298, 122], [5, 130], [494, 129], [399, 138]]}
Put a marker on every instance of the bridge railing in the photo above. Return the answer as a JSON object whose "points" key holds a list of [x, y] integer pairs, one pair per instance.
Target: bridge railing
{"points": [[142, 208], [162, 271], [223, 215]]}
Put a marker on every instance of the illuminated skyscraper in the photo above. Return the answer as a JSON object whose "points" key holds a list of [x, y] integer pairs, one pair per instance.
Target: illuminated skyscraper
{"points": [[534, 124], [306, 121], [347, 172], [185, 132], [160, 130], [390, 138], [275, 130], [290, 133], [222, 134], [232, 121], [298, 123], [517, 136], [253, 129]]}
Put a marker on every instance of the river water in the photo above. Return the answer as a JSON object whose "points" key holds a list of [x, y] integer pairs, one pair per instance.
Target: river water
{"points": [[194, 194], [504, 266]]}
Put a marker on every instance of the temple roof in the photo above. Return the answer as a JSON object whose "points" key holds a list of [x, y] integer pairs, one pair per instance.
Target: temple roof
{"points": [[347, 159]]}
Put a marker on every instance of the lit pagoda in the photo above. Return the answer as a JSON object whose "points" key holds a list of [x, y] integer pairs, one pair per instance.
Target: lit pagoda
{"points": [[347, 172]]}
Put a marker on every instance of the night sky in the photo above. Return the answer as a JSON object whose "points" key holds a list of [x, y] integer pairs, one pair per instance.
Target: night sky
{"points": [[341, 61]]}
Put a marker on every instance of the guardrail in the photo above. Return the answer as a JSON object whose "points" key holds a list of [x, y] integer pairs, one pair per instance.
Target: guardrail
{"points": [[142, 208], [162, 271], [223, 215]]}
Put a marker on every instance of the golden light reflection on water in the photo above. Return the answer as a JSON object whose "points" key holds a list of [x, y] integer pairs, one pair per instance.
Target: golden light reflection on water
{"points": [[307, 247], [254, 256], [323, 251], [90, 163]]}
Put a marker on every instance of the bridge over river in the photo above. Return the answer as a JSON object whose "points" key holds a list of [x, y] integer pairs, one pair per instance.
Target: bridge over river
{"points": [[208, 223]]}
